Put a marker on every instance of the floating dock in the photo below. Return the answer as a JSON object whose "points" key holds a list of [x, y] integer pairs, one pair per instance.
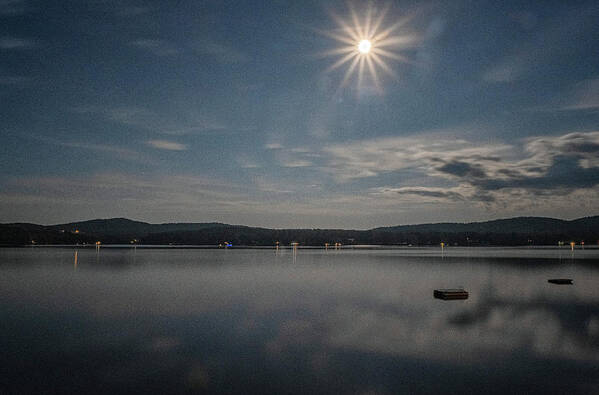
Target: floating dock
{"points": [[450, 294], [561, 281]]}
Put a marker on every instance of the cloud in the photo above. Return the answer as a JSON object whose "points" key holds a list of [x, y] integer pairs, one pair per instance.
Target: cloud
{"points": [[371, 158], [249, 165], [245, 162], [463, 193], [416, 178], [297, 163], [265, 201], [119, 152], [462, 169], [273, 146], [116, 152], [300, 150], [507, 71], [220, 52], [156, 47], [136, 193], [15, 43], [583, 147], [215, 50], [167, 145], [157, 197], [544, 166], [435, 193], [585, 96], [291, 157], [129, 115], [12, 80], [140, 117]]}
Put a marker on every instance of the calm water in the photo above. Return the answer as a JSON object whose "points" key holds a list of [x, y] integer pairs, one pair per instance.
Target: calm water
{"points": [[251, 321]]}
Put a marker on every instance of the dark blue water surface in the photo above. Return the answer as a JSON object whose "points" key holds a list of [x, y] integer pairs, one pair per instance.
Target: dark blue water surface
{"points": [[122, 320]]}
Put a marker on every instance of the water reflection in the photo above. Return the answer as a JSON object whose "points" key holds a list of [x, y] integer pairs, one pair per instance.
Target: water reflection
{"points": [[244, 321]]}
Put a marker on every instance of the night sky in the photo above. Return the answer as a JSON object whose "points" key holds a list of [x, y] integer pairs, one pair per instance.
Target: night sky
{"points": [[250, 112]]}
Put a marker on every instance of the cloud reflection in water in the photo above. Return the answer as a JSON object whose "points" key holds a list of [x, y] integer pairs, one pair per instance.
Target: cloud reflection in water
{"points": [[250, 320]]}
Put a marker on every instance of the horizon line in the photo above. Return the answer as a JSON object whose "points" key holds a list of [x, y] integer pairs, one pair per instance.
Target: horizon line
{"points": [[324, 228]]}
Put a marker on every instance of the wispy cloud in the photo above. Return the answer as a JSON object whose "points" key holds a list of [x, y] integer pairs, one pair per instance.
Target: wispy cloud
{"points": [[156, 47], [507, 71], [296, 163], [167, 197], [15, 43], [167, 145], [291, 157], [215, 50], [245, 162], [219, 51], [273, 146], [119, 152], [94, 194], [116, 152], [431, 193], [585, 96], [140, 117], [12, 80]]}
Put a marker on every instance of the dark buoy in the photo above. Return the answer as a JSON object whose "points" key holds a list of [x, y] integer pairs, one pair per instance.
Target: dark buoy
{"points": [[560, 281], [450, 294]]}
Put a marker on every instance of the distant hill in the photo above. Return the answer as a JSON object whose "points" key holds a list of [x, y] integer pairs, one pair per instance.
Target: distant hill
{"points": [[512, 231], [512, 225], [124, 226]]}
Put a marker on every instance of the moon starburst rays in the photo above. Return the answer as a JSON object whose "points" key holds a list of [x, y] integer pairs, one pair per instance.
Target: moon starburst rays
{"points": [[367, 45], [341, 61], [350, 70]]}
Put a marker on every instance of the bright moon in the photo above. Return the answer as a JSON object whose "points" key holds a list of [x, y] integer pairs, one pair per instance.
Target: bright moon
{"points": [[364, 46]]}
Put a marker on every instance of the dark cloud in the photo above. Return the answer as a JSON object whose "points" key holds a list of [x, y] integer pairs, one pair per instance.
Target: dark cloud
{"points": [[462, 169], [461, 193], [561, 163], [430, 192], [564, 173]]}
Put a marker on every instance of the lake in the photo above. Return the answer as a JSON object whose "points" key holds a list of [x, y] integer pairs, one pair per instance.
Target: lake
{"points": [[177, 320]]}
